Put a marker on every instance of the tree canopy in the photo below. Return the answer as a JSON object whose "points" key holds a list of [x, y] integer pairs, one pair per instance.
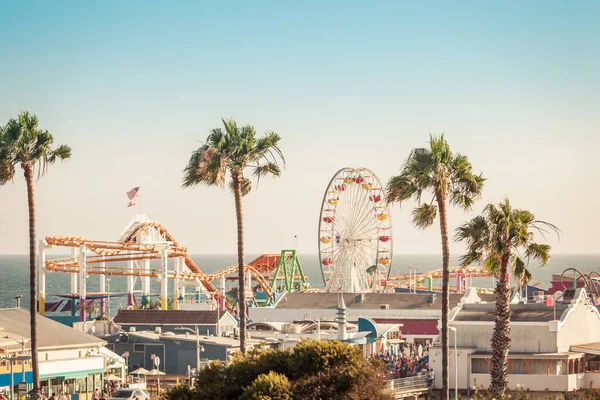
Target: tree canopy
{"points": [[314, 369]]}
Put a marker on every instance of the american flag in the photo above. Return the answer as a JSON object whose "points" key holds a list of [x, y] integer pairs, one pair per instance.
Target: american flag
{"points": [[132, 193]]}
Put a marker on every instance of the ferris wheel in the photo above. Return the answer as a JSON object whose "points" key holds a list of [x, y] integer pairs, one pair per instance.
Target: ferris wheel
{"points": [[355, 234]]}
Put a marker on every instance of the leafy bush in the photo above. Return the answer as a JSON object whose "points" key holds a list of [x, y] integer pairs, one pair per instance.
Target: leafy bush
{"points": [[312, 370], [271, 386], [179, 392]]}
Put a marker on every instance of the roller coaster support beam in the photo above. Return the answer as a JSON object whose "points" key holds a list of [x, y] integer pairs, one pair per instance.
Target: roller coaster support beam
{"points": [[164, 296], [103, 288], [82, 284], [42, 275], [130, 285], [289, 267], [223, 290]]}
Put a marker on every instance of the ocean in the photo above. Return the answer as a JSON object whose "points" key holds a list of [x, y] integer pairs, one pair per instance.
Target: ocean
{"points": [[14, 273]]}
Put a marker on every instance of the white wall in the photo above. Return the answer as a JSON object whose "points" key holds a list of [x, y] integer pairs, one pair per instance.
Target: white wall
{"points": [[582, 326], [524, 338], [553, 383], [435, 362]]}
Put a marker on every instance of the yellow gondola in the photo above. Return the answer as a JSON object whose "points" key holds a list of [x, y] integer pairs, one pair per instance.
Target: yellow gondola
{"points": [[384, 261], [333, 202], [325, 240], [382, 217]]}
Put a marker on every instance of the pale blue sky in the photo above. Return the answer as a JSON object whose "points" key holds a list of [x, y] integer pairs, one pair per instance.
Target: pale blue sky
{"points": [[133, 86]]}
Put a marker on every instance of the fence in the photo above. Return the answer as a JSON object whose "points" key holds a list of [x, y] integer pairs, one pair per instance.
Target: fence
{"points": [[413, 383]]}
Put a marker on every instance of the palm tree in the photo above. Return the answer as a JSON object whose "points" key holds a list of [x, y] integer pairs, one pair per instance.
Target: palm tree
{"points": [[235, 150], [445, 176], [502, 239], [24, 144]]}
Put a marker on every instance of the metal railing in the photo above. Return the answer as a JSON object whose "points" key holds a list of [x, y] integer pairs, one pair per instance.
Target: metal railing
{"points": [[408, 384]]}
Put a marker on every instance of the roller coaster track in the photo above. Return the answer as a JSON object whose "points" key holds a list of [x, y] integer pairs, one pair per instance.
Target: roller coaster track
{"points": [[409, 281], [129, 249]]}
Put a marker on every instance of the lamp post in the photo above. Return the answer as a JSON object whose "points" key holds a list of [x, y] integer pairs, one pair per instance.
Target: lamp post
{"points": [[12, 378], [22, 343], [453, 329]]}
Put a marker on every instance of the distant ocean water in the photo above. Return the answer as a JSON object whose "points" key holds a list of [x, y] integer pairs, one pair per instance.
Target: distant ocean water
{"points": [[14, 273]]}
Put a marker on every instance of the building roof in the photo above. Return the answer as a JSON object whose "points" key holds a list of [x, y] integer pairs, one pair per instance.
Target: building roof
{"points": [[167, 317], [589, 348], [51, 334], [395, 301], [519, 312]]}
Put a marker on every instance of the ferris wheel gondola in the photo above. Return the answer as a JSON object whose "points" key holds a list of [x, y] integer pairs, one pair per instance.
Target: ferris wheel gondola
{"points": [[355, 234]]}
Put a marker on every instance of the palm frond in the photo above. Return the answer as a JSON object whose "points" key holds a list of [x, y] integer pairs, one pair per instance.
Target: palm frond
{"points": [[424, 215], [269, 168], [206, 166], [540, 252], [245, 186], [521, 272], [23, 143], [400, 188]]}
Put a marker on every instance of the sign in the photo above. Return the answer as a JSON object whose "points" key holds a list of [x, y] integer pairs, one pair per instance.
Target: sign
{"points": [[22, 389], [157, 361]]}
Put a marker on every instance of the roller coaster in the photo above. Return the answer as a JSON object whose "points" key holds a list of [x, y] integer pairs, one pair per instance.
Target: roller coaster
{"points": [[143, 241]]}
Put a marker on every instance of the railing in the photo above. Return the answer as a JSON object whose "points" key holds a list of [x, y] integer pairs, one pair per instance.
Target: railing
{"points": [[413, 383]]}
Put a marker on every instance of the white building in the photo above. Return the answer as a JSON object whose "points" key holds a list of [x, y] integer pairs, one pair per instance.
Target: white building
{"points": [[552, 349], [69, 360], [417, 313]]}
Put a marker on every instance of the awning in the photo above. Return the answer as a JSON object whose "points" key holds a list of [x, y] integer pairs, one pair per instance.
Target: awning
{"points": [[588, 348], [72, 374]]}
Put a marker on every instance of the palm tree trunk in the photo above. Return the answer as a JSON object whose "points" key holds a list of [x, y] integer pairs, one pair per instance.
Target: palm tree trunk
{"points": [[501, 336], [441, 201], [239, 213], [28, 171]]}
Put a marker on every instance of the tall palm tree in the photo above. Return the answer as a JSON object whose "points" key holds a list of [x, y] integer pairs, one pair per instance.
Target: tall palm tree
{"points": [[235, 150], [502, 239], [24, 144], [446, 177]]}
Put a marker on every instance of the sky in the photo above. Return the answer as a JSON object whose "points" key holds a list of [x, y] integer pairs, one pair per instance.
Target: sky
{"points": [[134, 87]]}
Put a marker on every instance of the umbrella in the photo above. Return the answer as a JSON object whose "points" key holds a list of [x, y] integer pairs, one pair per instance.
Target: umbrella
{"points": [[112, 377], [155, 372], [140, 371]]}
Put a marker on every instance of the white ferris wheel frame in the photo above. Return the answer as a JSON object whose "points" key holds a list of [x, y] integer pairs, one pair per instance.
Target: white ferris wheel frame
{"points": [[355, 233]]}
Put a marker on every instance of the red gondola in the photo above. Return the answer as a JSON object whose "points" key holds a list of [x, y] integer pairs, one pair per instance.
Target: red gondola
{"points": [[384, 238], [329, 219]]}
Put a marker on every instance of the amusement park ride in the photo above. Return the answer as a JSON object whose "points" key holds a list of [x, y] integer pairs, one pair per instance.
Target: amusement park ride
{"points": [[355, 254]]}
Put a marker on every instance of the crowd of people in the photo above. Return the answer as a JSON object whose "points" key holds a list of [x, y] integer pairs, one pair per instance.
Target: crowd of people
{"points": [[407, 361]]}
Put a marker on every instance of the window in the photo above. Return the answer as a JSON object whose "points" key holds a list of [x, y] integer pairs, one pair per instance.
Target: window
{"points": [[139, 348], [479, 366]]}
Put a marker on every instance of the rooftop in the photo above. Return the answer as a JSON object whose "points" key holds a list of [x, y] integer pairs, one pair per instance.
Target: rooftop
{"points": [[51, 334], [167, 317], [395, 301], [519, 312]]}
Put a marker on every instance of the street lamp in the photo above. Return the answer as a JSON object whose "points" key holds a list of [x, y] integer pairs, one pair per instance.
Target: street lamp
{"points": [[12, 378], [22, 343], [453, 329]]}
